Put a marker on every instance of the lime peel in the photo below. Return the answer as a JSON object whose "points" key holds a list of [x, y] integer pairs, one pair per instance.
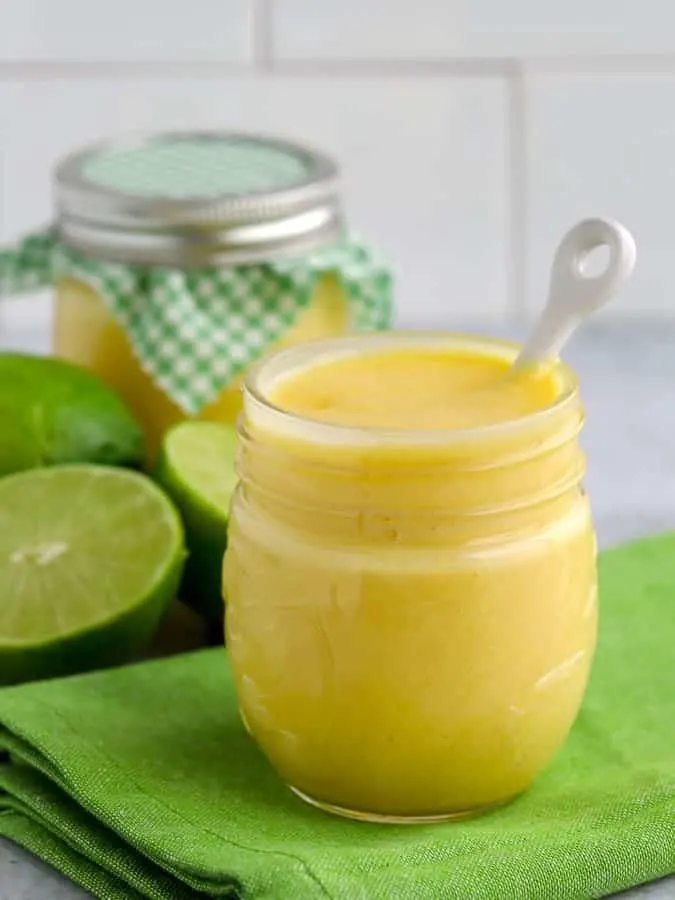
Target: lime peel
{"points": [[196, 467], [82, 584]]}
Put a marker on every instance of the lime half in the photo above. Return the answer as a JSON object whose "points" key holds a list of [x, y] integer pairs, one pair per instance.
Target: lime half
{"points": [[90, 558], [196, 468]]}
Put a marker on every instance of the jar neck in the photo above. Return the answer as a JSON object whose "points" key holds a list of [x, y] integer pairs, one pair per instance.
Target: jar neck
{"points": [[371, 498], [371, 486]]}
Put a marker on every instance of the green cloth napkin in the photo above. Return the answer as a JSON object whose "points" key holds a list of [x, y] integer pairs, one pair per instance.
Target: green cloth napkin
{"points": [[142, 782]]}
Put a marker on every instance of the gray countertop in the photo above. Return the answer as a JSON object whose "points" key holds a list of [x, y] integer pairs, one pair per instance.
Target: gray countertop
{"points": [[627, 373]]}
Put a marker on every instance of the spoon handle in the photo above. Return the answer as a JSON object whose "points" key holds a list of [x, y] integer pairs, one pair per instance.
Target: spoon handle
{"points": [[573, 294]]}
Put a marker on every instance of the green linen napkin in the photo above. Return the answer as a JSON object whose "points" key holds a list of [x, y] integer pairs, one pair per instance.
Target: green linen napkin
{"points": [[142, 782]]}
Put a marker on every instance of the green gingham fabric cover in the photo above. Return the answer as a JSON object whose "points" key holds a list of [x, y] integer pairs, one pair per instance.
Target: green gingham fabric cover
{"points": [[195, 330]]}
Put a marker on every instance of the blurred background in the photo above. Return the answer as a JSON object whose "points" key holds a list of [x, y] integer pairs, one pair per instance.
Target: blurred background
{"points": [[471, 133]]}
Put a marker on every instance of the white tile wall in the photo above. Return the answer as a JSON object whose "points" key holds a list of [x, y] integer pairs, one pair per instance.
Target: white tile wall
{"points": [[420, 178], [127, 31], [471, 132], [603, 145], [305, 29], [410, 29]]}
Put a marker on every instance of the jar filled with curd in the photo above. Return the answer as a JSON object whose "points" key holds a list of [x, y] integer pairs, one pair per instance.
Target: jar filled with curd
{"points": [[411, 572], [179, 259]]}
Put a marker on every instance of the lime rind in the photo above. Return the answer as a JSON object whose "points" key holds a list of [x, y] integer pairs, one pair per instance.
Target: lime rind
{"points": [[65, 575], [55, 412], [200, 456], [196, 467]]}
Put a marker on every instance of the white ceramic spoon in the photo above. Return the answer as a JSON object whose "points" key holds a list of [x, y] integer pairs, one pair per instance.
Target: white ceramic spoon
{"points": [[572, 294]]}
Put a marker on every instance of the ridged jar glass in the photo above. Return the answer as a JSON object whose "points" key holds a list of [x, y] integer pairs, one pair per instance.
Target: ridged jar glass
{"points": [[411, 614]]}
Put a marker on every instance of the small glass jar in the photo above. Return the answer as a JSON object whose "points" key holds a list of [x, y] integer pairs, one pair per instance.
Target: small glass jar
{"points": [[411, 614], [85, 332], [167, 204]]}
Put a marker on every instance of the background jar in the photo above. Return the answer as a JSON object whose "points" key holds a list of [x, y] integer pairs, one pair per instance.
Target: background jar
{"points": [[178, 259], [411, 615]]}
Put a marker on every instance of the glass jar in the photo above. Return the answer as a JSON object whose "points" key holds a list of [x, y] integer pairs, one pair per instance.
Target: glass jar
{"points": [[251, 216], [85, 332], [411, 614]]}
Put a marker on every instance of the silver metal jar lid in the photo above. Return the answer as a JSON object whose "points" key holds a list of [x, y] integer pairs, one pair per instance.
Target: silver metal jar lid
{"points": [[185, 199]]}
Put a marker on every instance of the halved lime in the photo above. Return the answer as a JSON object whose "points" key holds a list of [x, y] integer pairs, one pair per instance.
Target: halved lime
{"points": [[196, 468], [90, 558]]}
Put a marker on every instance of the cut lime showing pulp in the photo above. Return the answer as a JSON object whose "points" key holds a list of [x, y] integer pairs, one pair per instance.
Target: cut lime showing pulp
{"points": [[90, 558], [196, 468]]}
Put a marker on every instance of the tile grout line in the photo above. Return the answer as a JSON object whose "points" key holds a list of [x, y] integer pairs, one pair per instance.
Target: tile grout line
{"points": [[516, 187], [263, 59], [486, 67], [26, 70], [262, 42], [610, 64]]}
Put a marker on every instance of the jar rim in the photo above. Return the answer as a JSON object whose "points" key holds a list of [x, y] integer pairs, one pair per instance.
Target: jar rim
{"points": [[267, 371], [179, 224]]}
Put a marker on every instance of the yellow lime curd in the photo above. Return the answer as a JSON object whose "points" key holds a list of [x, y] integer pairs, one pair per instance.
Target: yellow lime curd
{"points": [[410, 575]]}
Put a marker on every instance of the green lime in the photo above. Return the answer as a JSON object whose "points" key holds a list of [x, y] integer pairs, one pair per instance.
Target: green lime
{"points": [[90, 558], [196, 468], [56, 412]]}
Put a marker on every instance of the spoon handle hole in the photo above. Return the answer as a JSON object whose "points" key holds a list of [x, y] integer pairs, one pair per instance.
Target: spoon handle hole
{"points": [[593, 262]]}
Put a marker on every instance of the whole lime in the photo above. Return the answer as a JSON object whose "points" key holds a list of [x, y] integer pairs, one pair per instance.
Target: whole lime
{"points": [[54, 412]]}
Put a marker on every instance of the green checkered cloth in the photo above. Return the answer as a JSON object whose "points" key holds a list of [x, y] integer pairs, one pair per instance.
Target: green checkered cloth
{"points": [[195, 330]]}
